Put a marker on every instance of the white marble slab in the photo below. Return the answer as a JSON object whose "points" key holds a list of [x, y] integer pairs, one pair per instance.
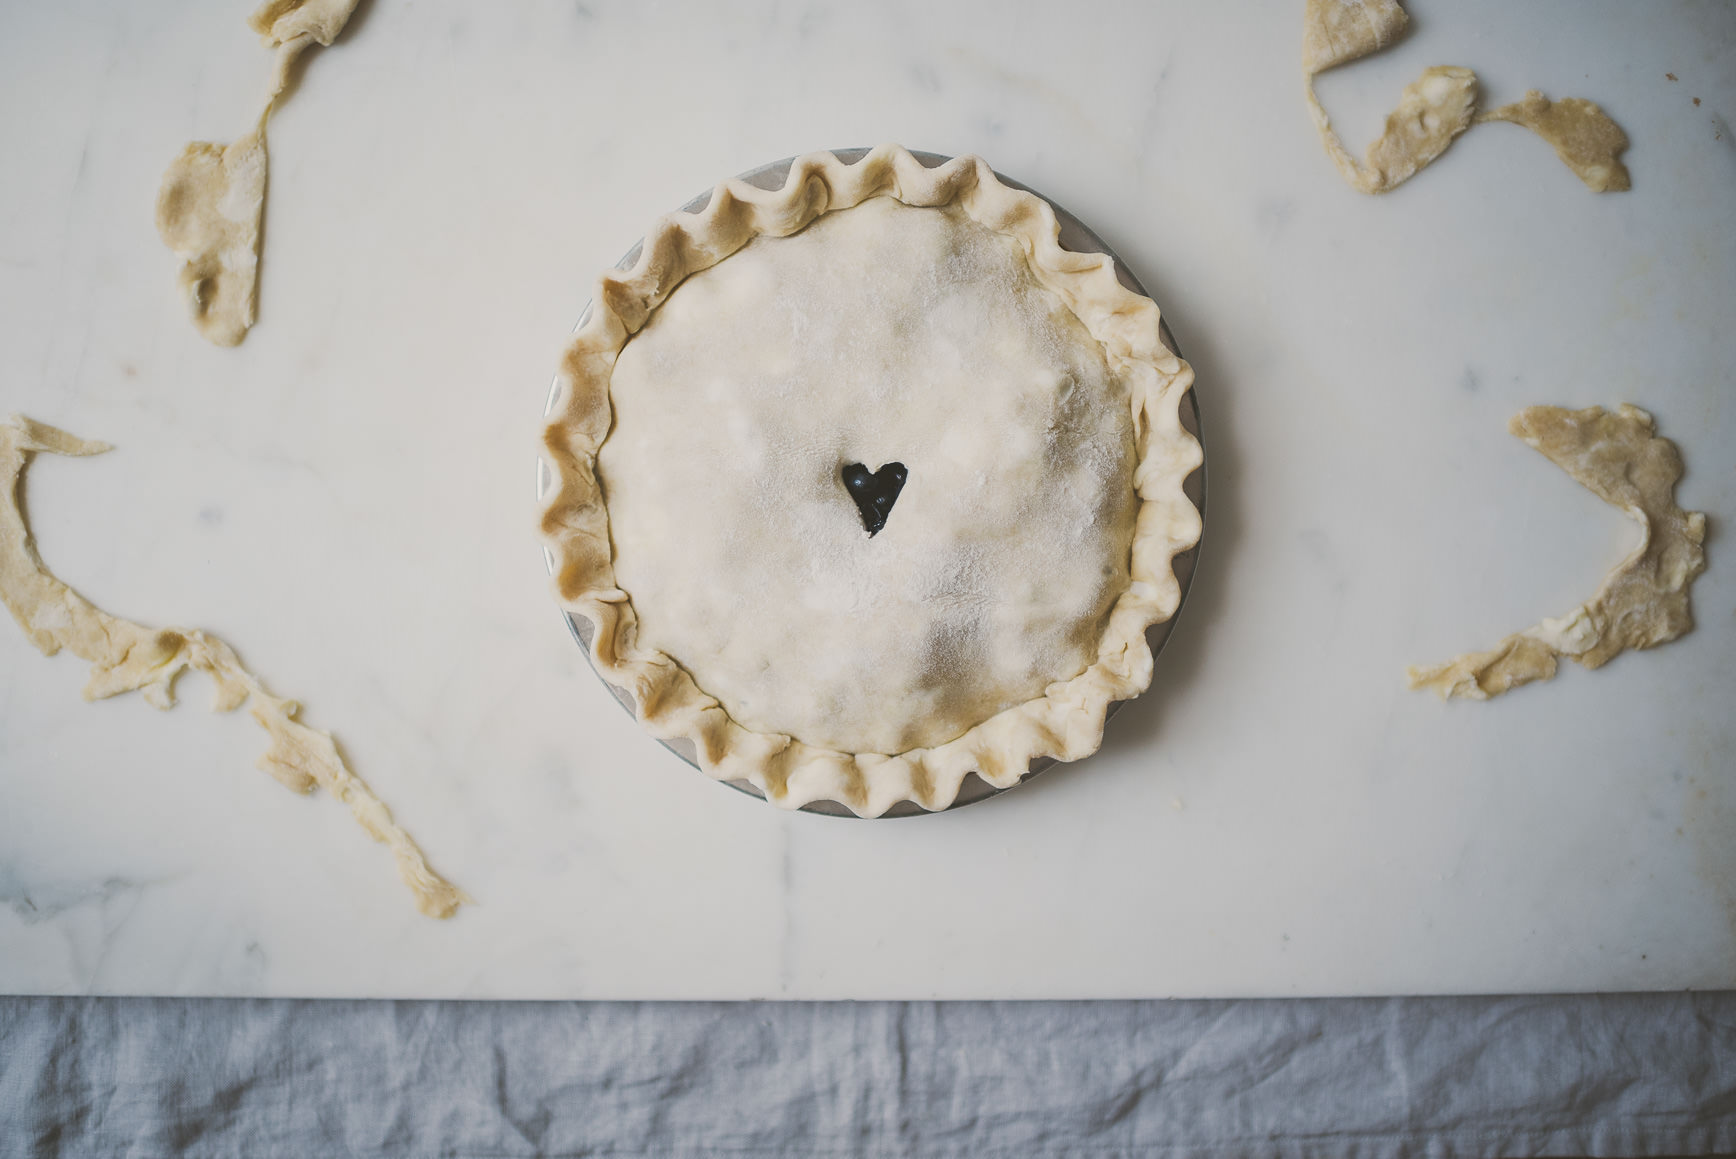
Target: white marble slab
{"points": [[348, 499]]}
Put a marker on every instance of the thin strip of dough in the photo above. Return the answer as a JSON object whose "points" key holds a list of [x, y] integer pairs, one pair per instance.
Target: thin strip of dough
{"points": [[1433, 109], [213, 196], [128, 657], [1644, 601], [1583, 136], [1440, 105]]}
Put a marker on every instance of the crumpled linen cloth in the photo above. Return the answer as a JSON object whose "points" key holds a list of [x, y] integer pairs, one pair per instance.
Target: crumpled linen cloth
{"points": [[1639, 1075]]}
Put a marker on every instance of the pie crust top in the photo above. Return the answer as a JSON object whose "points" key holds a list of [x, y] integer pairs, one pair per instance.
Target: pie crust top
{"points": [[863, 316]]}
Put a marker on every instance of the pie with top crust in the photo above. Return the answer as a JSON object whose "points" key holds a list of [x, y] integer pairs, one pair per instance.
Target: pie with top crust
{"points": [[865, 484]]}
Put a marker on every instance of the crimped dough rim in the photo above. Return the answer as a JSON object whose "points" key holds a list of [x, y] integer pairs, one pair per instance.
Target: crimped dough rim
{"points": [[1066, 722]]}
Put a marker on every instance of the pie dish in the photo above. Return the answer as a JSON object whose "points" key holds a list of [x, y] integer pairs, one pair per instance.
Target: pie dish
{"points": [[863, 484]]}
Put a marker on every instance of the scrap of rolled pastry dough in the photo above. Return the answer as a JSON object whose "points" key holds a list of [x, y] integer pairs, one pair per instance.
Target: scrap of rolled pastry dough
{"points": [[212, 197], [1336, 32], [1438, 106], [1644, 601], [127, 657], [1434, 109], [1584, 137], [208, 213]]}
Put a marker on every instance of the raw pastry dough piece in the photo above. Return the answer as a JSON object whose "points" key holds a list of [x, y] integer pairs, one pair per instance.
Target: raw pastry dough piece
{"points": [[213, 196], [1439, 105], [128, 657], [286, 22], [208, 213], [1584, 137], [293, 26], [1432, 111], [1644, 601], [1335, 32]]}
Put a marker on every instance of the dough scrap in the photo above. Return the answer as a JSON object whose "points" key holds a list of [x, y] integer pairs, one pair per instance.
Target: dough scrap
{"points": [[747, 561], [1433, 109], [1440, 105], [1644, 601], [213, 196], [1336, 32], [1584, 137], [208, 212], [128, 657], [293, 26]]}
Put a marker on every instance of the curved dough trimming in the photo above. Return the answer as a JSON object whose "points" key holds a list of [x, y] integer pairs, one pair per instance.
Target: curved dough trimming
{"points": [[128, 657], [1582, 135], [936, 348], [213, 196], [1644, 601]]}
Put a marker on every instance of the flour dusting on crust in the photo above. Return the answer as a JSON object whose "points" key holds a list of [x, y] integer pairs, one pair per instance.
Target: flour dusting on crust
{"points": [[128, 657]]}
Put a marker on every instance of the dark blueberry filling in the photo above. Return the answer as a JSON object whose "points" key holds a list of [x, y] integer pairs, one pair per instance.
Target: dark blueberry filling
{"points": [[874, 491]]}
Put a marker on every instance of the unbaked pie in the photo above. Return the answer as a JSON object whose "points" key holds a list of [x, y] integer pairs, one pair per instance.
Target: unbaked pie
{"points": [[865, 484]]}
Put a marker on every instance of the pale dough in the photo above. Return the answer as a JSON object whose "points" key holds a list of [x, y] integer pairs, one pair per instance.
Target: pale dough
{"points": [[208, 212], [287, 22], [1440, 105], [1584, 137], [884, 333], [293, 26], [127, 657], [1644, 601], [1065, 720], [1336, 32], [1433, 109], [213, 196]]}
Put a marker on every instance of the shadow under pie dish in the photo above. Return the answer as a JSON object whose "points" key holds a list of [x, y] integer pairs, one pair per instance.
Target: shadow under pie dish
{"points": [[862, 484]]}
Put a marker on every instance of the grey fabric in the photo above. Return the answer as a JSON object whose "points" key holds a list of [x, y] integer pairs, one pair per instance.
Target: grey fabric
{"points": [[1355, 1079]]}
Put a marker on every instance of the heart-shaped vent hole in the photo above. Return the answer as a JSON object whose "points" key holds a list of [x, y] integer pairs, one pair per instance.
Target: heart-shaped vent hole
{"points": [[874, 491]]}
